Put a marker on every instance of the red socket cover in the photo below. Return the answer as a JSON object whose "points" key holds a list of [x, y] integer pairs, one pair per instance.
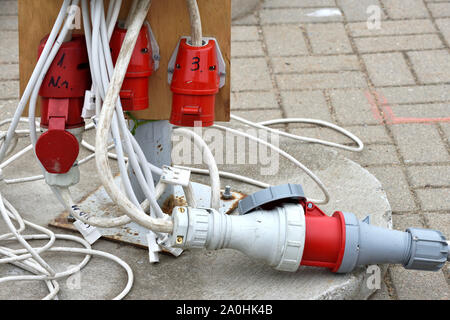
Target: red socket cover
{"points": [[324, 239], [62, 97], [134, 92], [195, 84]]}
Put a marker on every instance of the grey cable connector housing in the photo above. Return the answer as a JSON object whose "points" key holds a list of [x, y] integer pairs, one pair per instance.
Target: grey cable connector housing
{"points": [[275, 236], [365, 244]]}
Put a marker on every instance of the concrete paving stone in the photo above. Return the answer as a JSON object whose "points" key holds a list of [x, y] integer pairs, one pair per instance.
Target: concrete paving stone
{"points": [[394, 182], [253, 100], [419, 143], [440, 9], [9, 72], [422, 111], [439, 221], [250, 74], [404, 221], [401, 10], [426, 176], [247, 49], [305, 104], [249, 20], [10, 47], [259, 115], [9, 23], [415, 94], [310, 64], [344, 79], [446, 128], [356, 10], [434, 199], [298, 3], [367, 134], [388, 69], [352, 107], [9, 89], [374, 155], [7, 107], [294, 15], [392, 27], [431, 66], [370, 134], [9, 7], [244, 33], [398, 43], [419, 285], [285, 40], [328, 38], [444, 26]]}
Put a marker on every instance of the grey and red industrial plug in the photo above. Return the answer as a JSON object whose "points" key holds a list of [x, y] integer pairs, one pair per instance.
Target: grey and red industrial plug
{"points": [[277, 225], [280, 227]]}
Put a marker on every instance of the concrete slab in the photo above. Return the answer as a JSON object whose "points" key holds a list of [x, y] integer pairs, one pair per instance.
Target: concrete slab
{"points": [[203, 274]]}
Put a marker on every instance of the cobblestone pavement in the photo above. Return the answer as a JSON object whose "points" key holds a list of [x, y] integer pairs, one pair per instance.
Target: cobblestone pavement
{"points": [[390, 86]]}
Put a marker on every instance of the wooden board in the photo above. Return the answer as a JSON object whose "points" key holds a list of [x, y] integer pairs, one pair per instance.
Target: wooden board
{"points": [[169, 21]]}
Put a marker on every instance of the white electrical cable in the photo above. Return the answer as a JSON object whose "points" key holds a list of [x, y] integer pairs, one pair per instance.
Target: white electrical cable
{"points": [[29, 258]]}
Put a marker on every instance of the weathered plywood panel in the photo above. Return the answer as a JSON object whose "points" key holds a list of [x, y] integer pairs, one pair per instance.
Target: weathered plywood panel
{"points": [[169, 20]]}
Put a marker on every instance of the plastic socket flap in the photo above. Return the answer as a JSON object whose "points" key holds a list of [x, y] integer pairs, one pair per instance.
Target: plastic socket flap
{"points": [[272, 194]]}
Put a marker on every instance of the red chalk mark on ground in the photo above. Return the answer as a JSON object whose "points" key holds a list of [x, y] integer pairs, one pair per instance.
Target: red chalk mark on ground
{"points": [[389, 114], [373, 106]]}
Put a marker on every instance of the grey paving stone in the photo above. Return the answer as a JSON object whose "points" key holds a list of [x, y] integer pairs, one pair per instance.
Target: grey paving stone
{"points": [[298, 3], [419, 143], [305, 104], [394, 182], [285, 40], [439, 221], [444, 26], [374, 155], [398, 43], [353, 107], [294, 15], [388, 69], [310, 64], [426, 176], [345, 79], [9, 89], [367, 134], [446, 128], [244, 33], [407, 220], [250, 74], [328, 38], [419, 285], [247, 49], [415, 94], [395, 27], [400, 10], [422, 111], [434, 199], [356, 10], [253, 100], [259, 115], [10, 47], [441, 9], [249, 20], [9, 23], [9, 7], [431, 66], [8, 107], [9, 72]]}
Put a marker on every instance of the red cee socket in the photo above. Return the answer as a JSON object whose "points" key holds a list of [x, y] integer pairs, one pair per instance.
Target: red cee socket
{"points": [[62, 97], [325, 238], [134, 92], [195, 84]]}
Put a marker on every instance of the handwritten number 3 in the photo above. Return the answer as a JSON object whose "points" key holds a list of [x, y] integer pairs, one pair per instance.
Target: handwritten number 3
{"points": [[196, 62]]}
